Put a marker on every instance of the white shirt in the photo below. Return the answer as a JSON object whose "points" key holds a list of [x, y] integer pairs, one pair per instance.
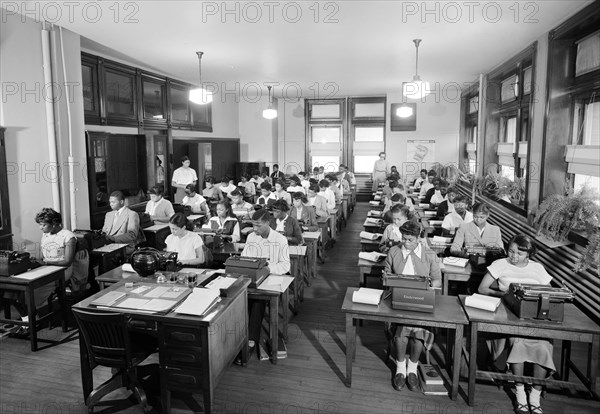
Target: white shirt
{"points": [[53, 245], [507, 273], [424, 188], [152, 205], [184, 176], [266, 199], [437, 197], [454, 220], [227, 189], [194, 202], [185, 246], [280, 224], [274, 248], [409, 267], [329, 197]]}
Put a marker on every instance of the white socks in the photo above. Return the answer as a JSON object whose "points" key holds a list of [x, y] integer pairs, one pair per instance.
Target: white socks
{"points": [[520, 394], [412, 366], [25, 318], [534, 397], [401, 367]]}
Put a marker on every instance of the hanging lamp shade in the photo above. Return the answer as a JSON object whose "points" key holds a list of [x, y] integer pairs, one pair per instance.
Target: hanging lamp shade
{"points": [[200, 95], [418, 88], [270, 112], [404, 111]]}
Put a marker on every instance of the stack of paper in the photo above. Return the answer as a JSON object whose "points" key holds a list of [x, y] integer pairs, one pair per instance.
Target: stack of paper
{"points": [[199, 302], [221, 282], [372, 256], [374, 203], [375, 221], [423, 205], [441, 240], [367, 296], [127, 268], [455, 261], [375, 213], [436, 223], [370, 236], [488, 303], [276, 283]]}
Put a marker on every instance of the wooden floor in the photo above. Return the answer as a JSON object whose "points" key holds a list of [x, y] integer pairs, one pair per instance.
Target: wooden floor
{"points": [[310, 380]]}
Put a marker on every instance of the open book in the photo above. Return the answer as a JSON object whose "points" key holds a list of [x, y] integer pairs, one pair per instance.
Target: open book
{"points": [[374, 221], [370, 236], [455, 261], [199, 302], [441, 240], [372, 256], [367, 296], [488, 303]]}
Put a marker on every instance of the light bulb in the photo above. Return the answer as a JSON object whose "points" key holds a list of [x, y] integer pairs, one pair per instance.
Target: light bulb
{"points": [[200, 96]]}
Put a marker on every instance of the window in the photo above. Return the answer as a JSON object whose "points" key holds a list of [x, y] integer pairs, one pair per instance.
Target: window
{"points": [[326, 134], [588, 54], [364, 163]]}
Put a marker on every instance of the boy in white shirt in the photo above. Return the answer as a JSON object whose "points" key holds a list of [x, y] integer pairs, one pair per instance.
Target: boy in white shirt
{"points": [[460, 215], [326, 193]]}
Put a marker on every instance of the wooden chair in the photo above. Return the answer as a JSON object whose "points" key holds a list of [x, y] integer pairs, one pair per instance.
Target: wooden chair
{"points": [[108, 343]]}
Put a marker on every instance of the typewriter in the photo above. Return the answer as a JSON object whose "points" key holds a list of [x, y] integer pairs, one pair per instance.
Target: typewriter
{"points": [[181, 208], [481, 257], [538, 301], [145, 220], [14, 263], [411, 292], [253, 267], [94, 238]]}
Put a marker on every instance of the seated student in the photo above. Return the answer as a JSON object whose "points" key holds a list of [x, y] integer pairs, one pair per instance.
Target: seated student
{"points": [[412, 258], [344, 184], [242, 209], [227, 186], [519, 268], [188, 245], [440, 194], [248, 187], [283, 223], [478, 234], [256, 179], [121, 225], [316, 200], [303, 212], [280, 193], [267, 197], [197, 203], [347, 175], [334, 188], [420, 179], [295, 186], [394, 171], [276, 174], [159, 208], [391, 235], [303, 177], [211, 191], [459, 216], [265, 177], [396, 199], [426, 185], [447, 206], [315, 174], [267, 243], [434, 190], [327, 194], [388, 190], [225, 223]]}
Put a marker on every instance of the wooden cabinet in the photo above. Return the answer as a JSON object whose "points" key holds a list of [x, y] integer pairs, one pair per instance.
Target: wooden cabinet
{"points": [[154, 100], [120, 95], [90, 89], [5, 225]]}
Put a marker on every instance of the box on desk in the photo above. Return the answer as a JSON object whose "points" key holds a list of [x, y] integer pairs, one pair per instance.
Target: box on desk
{"points": [[411, 292], [537, 302], [255, 268]]}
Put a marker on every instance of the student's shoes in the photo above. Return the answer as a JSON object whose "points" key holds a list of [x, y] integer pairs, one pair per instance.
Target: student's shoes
{"points": [[521, 409], [22, 333], [412, 381], [398, 381], [535, 409]]}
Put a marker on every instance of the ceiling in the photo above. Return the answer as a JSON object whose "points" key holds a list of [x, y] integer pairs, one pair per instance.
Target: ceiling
{"points": [[325, 49]]}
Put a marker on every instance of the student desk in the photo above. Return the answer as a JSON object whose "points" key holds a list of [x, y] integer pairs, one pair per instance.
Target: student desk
{"points": [[194, 351], [27, 283], [312, 239], [333, 214], [448, 314], [299, 265], [108, 256], [575, 327], [372, 227], [156, 235], [365, 268], [323, 223], [367, 245], [457, 273]]}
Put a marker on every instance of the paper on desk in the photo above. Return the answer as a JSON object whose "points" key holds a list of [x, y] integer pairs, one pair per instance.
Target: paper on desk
{"points": [[110, 247], [108, 298], [372, 256], [195, 216], [377, 198], [375, 213], [430, 213], [436, 223], [132, 303], [38, 272], [488, 303], [276, 283], [455, 261], [221, 282], [376, 221], [199, 301], [158, 305], [157, 227], [370, 236], [424, 205], [157, 292], [367, 296], [374, 203], [441, 240], [127, 268]]}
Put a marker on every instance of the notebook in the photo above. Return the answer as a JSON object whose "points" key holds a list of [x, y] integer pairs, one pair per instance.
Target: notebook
{"points": [[367, 296], [370, 236], [108, 298], [455, 261], [487, 303], [375, 257], [199, 302]]}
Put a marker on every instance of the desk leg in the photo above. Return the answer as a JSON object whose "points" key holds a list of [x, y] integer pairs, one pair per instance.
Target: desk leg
{"points": [[458, 339], [362, 277], [565, 357], [285, 298], [350, 347], [473, 363], [62, 302], [208, 399], [31, 312], [87, 380], [593, 364], [444, 283], [274, 326]]}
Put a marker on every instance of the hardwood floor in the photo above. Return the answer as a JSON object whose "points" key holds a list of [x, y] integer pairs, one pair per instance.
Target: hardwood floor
{"points": [[310, 380]]}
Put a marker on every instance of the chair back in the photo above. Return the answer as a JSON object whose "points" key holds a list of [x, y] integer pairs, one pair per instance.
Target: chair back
{"points": [[106, 338]]}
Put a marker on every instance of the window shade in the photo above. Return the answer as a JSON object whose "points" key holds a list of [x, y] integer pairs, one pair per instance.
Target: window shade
{"points": [[588, 54], [522, 149], [472, 150], [506, 161], [509, 88], [583, 159]]}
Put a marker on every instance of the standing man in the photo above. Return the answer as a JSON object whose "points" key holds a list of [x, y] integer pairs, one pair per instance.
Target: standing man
{"points": [[380, 171], [183, 176], [276, 174], [121, 225]]}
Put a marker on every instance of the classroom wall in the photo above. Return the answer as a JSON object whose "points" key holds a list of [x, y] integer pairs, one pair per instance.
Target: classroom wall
{"points": [[291, 136], [258, 136]]}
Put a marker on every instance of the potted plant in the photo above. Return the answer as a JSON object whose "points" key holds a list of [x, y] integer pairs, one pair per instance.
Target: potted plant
{"points": [[559, 214]]}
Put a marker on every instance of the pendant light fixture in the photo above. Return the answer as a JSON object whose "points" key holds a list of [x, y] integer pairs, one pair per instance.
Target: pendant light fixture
{"points": [[200, 95], [270, 112], [416, 89], [404, 111]]}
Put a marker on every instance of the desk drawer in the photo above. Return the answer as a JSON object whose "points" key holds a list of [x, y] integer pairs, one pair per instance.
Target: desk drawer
{"points": [[181, 335], [182, 357], [183, 379]]}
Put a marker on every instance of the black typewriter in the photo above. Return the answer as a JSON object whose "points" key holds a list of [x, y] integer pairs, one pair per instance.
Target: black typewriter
{"points": [[145, 220], [14, 263]]}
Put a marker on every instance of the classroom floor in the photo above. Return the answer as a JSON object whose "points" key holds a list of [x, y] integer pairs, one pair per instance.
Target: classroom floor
{"points": [[310, 380]]}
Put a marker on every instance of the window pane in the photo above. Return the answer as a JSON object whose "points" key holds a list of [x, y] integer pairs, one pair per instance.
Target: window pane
{"points": [[153, 100], [592, 183], [364, 163], [179, 105], [119, 94], [369, 110], [527, 80], [330, 163], [510, 134], [326, 134], [591, 128], [588, 54], [474, 104], [371, 134], [509, 89], [325, 111], [89, 94]]}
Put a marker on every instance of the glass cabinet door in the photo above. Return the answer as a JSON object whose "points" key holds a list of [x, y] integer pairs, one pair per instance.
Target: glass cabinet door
{"points": [[153, 99], [90, 89], [179, 105], [120, 94]]}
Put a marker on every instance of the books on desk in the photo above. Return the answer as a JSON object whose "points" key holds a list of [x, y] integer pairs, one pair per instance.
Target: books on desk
{"points": [[276, 283], [455, 261], [375, 213], [441, 240], [370, 236], [374, 203], [109, 248], [487, 303], [375, 257], [367, 296], [437, 223], [199, 302], [374, 221]]}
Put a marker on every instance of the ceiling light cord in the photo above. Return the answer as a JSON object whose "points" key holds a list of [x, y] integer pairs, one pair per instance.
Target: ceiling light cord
{"points": [[417, 41]]}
